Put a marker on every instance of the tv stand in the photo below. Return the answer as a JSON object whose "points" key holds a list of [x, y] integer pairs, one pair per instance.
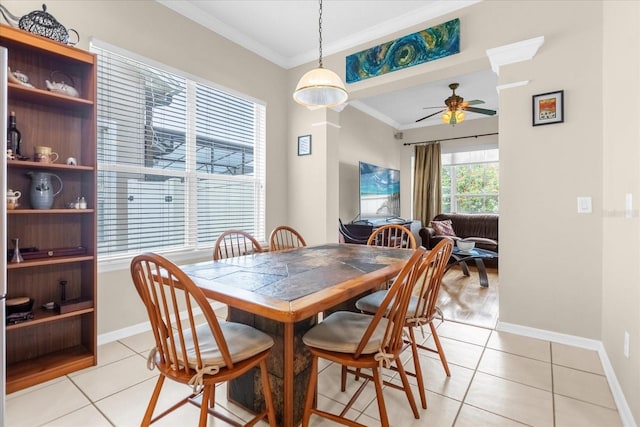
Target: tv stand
{"points": [[378, 222], [360, 230]]}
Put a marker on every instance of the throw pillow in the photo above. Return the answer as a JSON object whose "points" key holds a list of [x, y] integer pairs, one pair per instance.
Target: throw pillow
{"points": [[443, 228]]}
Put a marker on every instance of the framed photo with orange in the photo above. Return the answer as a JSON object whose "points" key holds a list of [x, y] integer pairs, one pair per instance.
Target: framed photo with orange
{"points": [[548, 108]]}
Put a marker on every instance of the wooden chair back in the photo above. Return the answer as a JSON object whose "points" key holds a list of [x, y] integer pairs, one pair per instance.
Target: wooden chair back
{"points": [[393, 309], [190, 353], [284, 237], [428, 287], [392, 236], [233, 243], [167, 292], [394, 306], [423, 310]]}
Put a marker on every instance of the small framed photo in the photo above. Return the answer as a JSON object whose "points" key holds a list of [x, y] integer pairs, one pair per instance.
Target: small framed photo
{"points": [[548, 108], [304, 145]]}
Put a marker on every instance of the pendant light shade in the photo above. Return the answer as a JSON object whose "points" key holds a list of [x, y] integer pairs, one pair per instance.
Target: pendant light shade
{"points": [[320, 87]]}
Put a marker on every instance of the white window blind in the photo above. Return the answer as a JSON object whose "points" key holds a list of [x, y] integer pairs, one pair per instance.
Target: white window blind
{"points": [[179, 161]]}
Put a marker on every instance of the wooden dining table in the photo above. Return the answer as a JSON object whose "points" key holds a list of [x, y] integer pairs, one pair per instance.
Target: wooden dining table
{"points": [[281, 293]]}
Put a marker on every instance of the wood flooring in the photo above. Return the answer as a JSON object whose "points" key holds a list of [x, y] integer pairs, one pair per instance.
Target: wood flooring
{"points": [[463, 300]]}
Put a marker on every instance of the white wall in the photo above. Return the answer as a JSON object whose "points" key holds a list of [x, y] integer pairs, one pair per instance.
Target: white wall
{"points": [[621, 175], [544, 169], [363, 138]]}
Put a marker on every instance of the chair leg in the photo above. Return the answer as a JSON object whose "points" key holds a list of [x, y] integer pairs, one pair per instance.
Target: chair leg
{"points": [[212, 398], [443, 359], [152, 402], [417, 368], [266, 390], [407, 388], [382, 408], [311, 392], [204, 410]]}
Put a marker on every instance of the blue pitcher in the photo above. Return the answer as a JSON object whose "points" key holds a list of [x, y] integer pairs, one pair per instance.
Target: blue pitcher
{"points": [[41, 193]]}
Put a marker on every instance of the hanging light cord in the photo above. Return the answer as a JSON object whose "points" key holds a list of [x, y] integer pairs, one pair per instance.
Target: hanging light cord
{"points": [[320, 34]]}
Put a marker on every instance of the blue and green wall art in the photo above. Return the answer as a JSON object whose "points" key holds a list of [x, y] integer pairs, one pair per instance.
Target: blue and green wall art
{"points": [[424, 46]]}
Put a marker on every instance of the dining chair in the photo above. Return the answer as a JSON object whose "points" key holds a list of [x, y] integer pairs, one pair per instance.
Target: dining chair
{"points": [[284, 237], [199, 355], [392, 236], [422, 308], [233, 243], [365, 341]]}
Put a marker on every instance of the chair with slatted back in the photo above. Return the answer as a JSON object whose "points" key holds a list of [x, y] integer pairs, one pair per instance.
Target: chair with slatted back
{"points": [[422, 308], [392, 236], [233, 243], [365, 342], [200, 355], [284, 237]]}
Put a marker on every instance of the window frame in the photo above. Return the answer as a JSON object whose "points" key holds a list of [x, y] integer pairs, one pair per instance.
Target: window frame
{"points": [[452, 167], [192, 248]]}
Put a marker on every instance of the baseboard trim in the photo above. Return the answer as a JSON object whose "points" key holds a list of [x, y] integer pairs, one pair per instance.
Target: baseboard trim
{"points": [[112, 336], [142, 327], [618, 396]]}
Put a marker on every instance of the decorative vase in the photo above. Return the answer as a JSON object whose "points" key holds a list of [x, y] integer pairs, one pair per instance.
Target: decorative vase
{"points": [[41, 193], [17, 256]]}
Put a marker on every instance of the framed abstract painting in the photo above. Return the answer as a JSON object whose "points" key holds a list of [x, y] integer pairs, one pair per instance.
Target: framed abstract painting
{"points": [[548, 108]]}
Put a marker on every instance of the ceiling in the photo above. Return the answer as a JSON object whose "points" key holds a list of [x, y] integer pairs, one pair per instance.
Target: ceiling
{"points": [[266, 27]]}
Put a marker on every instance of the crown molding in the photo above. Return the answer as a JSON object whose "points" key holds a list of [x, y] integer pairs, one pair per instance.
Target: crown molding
{"points": [[431, 10], [514, 52]]}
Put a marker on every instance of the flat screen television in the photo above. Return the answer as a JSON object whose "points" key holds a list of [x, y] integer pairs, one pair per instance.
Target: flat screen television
{"points": [[379, 191]]}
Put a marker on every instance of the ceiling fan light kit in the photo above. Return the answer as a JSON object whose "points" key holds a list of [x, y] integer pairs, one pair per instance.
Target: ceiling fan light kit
{"points": [[320, 87], [451, 118], [455, 107]]}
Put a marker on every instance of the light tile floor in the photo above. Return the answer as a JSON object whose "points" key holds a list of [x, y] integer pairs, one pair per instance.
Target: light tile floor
{"points": [[497, 379]]}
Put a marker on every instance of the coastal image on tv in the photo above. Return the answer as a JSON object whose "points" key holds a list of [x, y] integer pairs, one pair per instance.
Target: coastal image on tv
{"points": [[379, 191]]}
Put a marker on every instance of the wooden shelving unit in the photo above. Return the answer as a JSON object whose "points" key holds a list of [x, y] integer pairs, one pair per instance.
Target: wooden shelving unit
{"points": [[52, 344]]}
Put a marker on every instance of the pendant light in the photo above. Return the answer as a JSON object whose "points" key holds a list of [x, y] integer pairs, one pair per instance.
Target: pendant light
{"points": [[320, 87]]}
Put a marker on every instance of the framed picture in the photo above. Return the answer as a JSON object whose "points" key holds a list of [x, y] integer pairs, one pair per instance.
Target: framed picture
{"points": [[304, 145], [548, 108]]}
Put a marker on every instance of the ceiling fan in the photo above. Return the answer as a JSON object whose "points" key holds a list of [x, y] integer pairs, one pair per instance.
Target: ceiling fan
{"points": [[455, 107]]}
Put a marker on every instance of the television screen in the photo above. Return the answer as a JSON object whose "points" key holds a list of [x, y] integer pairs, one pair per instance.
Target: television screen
{"points": [[379, 191]]}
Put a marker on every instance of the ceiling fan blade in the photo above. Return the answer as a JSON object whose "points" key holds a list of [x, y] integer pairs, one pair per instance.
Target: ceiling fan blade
{"points": [[430, 115], [439, 106], [474, 102], [481, 111]]}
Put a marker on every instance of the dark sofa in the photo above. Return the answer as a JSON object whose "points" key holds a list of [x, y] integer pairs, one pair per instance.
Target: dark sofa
{"points": [[480, 228]]}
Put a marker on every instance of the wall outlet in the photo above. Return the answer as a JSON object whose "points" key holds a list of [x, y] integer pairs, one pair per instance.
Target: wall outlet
{"points": [[626, 344]]}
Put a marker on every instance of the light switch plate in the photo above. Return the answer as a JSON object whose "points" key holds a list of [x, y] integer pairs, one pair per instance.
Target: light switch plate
{"points": [[584, 205]]}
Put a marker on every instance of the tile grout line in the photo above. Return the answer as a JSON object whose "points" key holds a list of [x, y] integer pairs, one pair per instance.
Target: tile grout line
{"points": [[553, 388], [91, 402], [475, 370]]}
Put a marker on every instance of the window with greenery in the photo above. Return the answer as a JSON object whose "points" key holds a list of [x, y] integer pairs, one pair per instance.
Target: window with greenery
{"points": [[470, 181], [179, 161]]}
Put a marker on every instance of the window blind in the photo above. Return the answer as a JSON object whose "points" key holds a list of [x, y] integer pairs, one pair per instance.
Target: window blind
{"points": [[179, 161]]}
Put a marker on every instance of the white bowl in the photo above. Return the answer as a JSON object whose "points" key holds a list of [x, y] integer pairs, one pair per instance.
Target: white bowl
{"points": [[465, 245]]}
